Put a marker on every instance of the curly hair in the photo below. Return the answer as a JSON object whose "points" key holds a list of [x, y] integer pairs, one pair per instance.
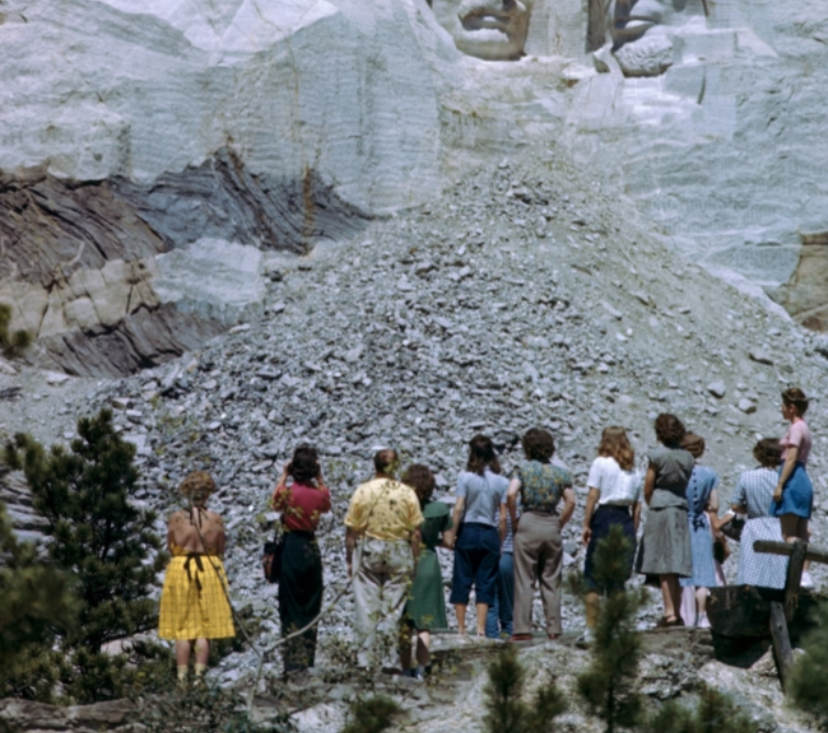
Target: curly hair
{"points": [[796, 397], [669, 429], [538, 445], [304, 467], [768, 452], [615, 444], [197, 486], [421, 479], [482, 454], [693, 444]]}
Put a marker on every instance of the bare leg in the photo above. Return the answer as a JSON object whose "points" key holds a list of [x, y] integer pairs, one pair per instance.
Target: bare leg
{"points": [[405, 650], [202, 654], [593, 605], [182, 653], [460, 611], [701, 600], [482, 610], [423, 648], [790, 527], [671, 593]]}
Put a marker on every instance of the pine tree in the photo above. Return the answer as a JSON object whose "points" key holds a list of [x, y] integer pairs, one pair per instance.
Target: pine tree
{"points": [[506, 711], [715, 713], [806, 687], [606, 685], [102, 539], [12, 343], [35, 602]]}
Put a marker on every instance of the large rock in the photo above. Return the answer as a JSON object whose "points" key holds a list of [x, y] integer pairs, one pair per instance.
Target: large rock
{"points": [[292, 87]]}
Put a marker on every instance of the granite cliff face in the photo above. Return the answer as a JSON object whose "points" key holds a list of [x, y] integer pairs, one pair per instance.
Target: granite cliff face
{"points": [[273, 127]]}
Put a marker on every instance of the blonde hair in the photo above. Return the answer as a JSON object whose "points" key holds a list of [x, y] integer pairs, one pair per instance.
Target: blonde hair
{"points": [[615, 444], [197, 486]]}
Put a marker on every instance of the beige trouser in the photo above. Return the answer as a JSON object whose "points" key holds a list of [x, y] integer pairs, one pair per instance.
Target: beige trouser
{"points": [[538, 554], [383, 576]]}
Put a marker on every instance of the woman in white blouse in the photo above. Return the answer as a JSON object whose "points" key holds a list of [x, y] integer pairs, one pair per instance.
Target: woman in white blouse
{"points": [[614, 499]]}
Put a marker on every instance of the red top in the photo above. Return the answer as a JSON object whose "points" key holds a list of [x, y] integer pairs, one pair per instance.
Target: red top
{"points": [[301, 505]]}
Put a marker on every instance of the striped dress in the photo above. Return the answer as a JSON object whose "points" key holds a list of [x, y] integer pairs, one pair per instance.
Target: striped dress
{"points": [[755, 492]]}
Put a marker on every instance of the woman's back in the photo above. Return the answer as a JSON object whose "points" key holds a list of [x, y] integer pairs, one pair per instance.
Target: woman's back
{"points": [[437, 518], [483, 496], [701, 484], [187, 528], [754, 491]]}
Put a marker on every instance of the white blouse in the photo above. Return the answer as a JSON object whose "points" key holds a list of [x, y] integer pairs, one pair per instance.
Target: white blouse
{"points": [[617, 486]]}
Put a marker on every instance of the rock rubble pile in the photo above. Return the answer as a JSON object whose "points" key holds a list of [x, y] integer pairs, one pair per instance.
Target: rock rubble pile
{"points": [[522, 297]]}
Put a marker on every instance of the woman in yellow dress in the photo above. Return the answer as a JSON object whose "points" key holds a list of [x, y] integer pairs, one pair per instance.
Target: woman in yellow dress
{"points": [[194, 603]]}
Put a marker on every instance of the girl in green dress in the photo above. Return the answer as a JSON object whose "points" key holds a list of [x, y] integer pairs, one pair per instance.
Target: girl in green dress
{"points": [[426, 606]]}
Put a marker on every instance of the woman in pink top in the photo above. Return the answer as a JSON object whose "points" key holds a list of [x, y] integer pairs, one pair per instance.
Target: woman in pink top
{"points": [[793, 498]]}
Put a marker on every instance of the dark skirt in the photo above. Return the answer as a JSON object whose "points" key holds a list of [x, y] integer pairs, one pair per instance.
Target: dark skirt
{"points": [[797, 495], [300, 597], [604, 518]]}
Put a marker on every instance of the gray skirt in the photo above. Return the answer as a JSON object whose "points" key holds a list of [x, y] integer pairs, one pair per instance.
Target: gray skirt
{"points": [[665, 545]]}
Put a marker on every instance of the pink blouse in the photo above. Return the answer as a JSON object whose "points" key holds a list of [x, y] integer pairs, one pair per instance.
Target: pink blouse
{"points": [[798, 435]]}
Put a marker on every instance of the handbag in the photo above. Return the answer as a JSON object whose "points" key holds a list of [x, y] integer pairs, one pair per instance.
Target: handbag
{"points": [[272, 559], [732, 528]]}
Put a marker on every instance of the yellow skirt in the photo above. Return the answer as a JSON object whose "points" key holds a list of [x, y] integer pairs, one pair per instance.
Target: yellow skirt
{"points": [[194, 603]]}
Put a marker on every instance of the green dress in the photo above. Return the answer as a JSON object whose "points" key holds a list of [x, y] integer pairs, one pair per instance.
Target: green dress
{"points": [[426, 605]]}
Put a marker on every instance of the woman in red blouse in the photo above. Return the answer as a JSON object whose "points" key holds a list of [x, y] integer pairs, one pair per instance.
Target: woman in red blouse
{"points": [[301, 503]]}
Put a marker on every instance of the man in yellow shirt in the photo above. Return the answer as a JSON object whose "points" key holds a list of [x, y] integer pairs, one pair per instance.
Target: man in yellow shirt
{"points": [[382, 541]]}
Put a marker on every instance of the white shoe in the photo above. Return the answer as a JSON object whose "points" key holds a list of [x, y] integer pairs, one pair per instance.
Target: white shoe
{"points": [[702, 622], [807, 580]]}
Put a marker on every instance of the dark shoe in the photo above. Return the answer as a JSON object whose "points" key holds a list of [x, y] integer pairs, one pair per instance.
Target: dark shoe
{"points": [[521, 637], [554, 637]]}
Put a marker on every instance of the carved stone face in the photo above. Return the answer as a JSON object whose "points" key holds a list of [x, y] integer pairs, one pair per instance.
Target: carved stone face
{"points": [[492, 29], [631, 19]]}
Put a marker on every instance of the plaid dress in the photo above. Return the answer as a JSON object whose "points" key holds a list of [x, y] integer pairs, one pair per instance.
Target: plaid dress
{"points": [[194, 601]]}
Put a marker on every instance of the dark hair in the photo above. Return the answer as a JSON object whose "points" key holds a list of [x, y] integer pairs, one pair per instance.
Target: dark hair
{"points": [[693, 444], [421, 479], [482, 454], [385, 459], [615, 444], [538, 445], [796, 397], [768, 452], [304, 467], [669, 429]]}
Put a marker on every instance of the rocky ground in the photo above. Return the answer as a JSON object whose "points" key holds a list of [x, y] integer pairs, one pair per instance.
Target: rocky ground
{"points": [[525, 295]]}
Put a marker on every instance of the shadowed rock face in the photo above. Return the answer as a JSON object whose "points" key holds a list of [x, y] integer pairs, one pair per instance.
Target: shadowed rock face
{"points": [[805, 296], [112, 277]]}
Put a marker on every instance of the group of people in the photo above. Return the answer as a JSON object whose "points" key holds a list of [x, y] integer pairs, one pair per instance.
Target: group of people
{"points": [[505, 533]]}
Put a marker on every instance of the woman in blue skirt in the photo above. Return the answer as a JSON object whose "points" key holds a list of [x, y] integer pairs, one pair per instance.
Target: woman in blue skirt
{"points": [[702, 497], [793, 498]]}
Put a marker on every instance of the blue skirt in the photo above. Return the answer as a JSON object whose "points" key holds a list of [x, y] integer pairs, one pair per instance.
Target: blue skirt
{"points": [[604, 518], [797, 495]]}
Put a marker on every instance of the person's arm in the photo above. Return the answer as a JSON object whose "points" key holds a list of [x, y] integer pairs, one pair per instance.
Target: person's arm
{"points": [[511, 501], [416, 540], [636, 515], [350, 544], [221, 537], [591, 502], [787, 471], [170, 537], [713, 502], [281, 485], [649, 483], [501, 525], [569, 506], [456, 515]]}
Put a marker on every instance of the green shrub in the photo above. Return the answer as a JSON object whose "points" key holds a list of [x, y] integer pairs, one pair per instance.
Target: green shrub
{"points": [[506, 711], [105, 544], [12, 343], [715, 713], [371, 715], [806, 686]]}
